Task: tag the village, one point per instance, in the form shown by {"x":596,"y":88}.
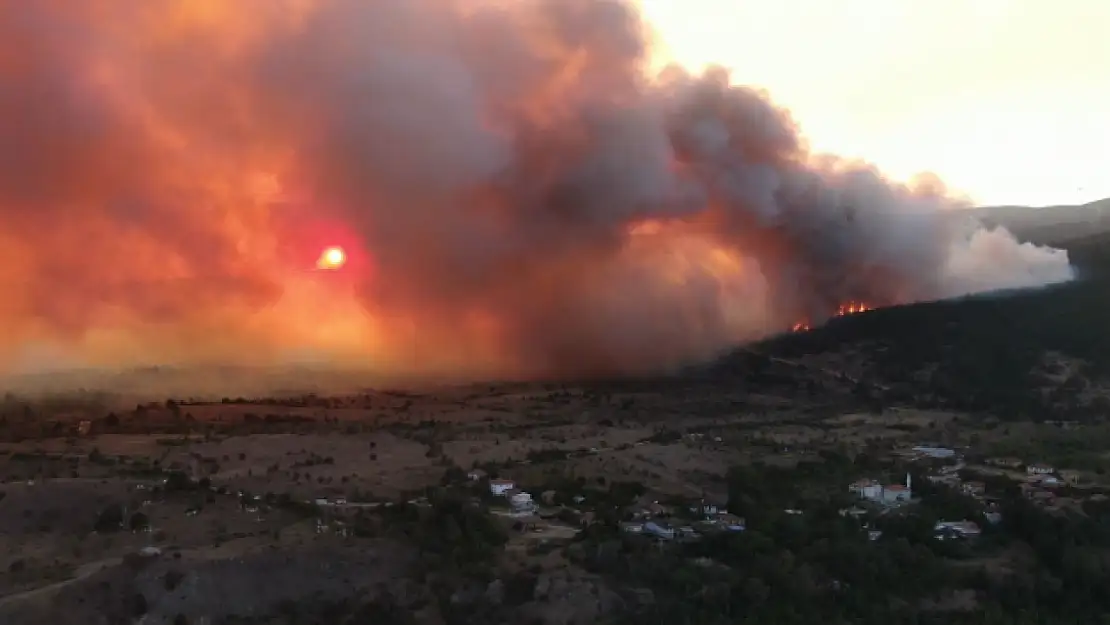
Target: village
{"x":186,"y":493}
{"x":548,"y":516}
{"x":545,"y":514}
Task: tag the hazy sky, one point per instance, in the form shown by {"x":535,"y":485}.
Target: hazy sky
{"x":1007,"y":100}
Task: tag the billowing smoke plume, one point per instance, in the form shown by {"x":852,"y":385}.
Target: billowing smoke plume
{"x":515,"y":193}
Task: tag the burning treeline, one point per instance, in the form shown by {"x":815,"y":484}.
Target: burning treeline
{"x":515,"y":194}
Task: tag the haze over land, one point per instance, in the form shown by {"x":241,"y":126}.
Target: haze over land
{"x":514,"y":194}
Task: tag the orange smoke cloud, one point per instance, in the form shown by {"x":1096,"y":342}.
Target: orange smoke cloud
{"x":513,"y":193}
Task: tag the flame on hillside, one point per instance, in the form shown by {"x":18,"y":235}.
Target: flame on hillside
{"x":852,"y":308}
{"x":848,"y":308}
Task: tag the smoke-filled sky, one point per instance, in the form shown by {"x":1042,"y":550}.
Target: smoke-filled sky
{"x":1007,"y":100}
{"x":515,"y":192}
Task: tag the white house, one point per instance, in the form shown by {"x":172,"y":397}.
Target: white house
{"x":1039,"y":469}
{"x":501,"y":487}
{"x":632,"y":527}
{"x":475,"y":475}
{"x":660,"y":529}
{"x":1045,"y":479}
{"x":961,"y":529}
{"x":873,"y":491}
{"x":935,"y":452}
{"x":867,"y":489}
{"x":522,"y":503}
{"x":705,"y":508}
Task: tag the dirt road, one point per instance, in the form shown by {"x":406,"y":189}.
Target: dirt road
{"x":85,"y":570}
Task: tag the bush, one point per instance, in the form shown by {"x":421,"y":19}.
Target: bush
{"x":172,"y":579}
{"x":110,"y":519}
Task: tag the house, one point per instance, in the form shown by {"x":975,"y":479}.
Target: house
{"x":994,"y":518}
{"x":1039,"y":469}
{"x":866,"y":489}
{"x":632,"y":527}
{"x":896,"y":493}
{"x":653,"y":509}
{"x":659,"y":529}
{"x":935,"y":452}
{"x":1005,"y":463}
{"x":956,"y":529}
{"x":84,"y":426}
{"x":873,"y":491}
{"x":874,"y":535}
{"x":973,"y":488}
{"x":501,"y":487}
{"x":522,"y":503}
{"x":1044,"y":479}
{"x":475,"y":475}
{"x":1069,"y":476}
{"x":705,"y":508}
{"x":687,"y":532}
{"x":731,"y":522}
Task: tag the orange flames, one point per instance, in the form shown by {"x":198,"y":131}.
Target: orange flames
{"x":848,"y":308}
{"x":852,"y":308}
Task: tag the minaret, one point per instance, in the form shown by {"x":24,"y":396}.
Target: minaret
{"x":908,"y":484}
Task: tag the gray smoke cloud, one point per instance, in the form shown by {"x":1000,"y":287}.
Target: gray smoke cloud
{"x":515,"y":193}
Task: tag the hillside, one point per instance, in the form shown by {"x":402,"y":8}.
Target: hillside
{"x":1040,"y":353}
{"x":1053,"y":225}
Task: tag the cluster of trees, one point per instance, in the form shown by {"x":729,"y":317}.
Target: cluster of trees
{"x":451,"y":530}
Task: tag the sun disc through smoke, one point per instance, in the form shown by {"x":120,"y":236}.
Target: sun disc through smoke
{"x":332,"y":258}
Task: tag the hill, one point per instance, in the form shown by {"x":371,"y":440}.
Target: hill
{"x":1042,"y":354}
{"x":1050,"y":225}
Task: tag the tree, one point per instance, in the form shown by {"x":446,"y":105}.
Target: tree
{"x":110,"y":519}
{"x":139,"y":521}
{"x":138,"y":605}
